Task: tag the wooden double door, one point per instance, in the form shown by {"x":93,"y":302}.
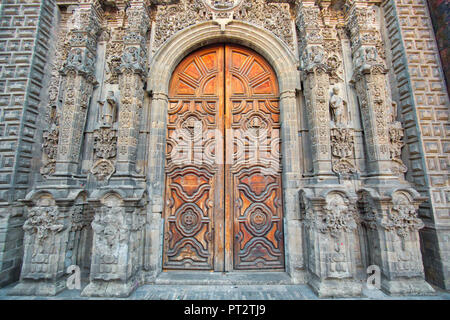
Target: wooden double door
{"x":223,"y":196}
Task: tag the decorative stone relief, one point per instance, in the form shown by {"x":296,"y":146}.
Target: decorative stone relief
{"x":110,"y":231}
{"x":396,"y":133}
{"x":370,"y":80}
{"x":114,"y":49}
{"x":105,"y":150}
{"x":329,"y":236}
{"x":339,"y":215}
{"x":274,"y":17}
{"x":342,"y":144}
{"x":50,"y":148}
{"x":43,"y":221}
{"x":133,"y":71}
{"x":79,"y":80}
{"x":402,"y":217}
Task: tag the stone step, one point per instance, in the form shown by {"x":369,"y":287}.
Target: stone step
{"x":207,"y":278}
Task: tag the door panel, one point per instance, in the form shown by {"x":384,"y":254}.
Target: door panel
{"x":193,"y":215}
{"x":223,"y":207}
{"x":253,"y":174}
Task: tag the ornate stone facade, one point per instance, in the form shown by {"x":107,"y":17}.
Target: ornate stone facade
{"x":363,"y":113}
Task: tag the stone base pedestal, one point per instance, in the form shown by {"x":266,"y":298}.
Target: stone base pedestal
{"x":109,"y":289}
{"x":332,"y":288}
{"x":406,"y":287}
{"x":38,"y":288}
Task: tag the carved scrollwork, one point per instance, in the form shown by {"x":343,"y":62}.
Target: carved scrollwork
{"x":105,"y":150}
{"x":342,"y":142}
{"x":402,"y":216}
{"x":339,"y":215}
{"x":43,"y":221}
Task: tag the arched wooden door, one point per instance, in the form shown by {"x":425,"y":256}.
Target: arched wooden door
{"x":223,"y":208}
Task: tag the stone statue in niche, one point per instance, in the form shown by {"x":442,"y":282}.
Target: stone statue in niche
{"x":108,"y":109}
{"x":338,"y":108}
{"x":394,"y":112}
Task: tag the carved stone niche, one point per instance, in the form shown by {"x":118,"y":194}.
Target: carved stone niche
{"x":47,"y":231}
{"x":329,"y":224}
{"x":392,"y":231}
{"x":118,"y":227}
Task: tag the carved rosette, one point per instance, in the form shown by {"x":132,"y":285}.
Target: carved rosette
{"x":105,"y":150}
{"x":342,"y":143}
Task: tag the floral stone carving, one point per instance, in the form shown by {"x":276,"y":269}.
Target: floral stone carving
{"x":105,"y":150}
{"x":43,"y":221}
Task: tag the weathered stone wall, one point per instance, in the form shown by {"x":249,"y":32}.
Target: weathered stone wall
{"x":440,"y":16}
{"x":418,"y":83}
{"x":25,"y":41}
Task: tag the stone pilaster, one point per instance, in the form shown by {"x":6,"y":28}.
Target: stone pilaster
{"x":117,"y":244}
{"x":329,"y":221}
{"x":78,"y":83}
{"x":316,"y":86}
{"x":49,"y":226}
{"x":392,"y":228}
{"x":370,"y":80}
{"x":133,"y":71}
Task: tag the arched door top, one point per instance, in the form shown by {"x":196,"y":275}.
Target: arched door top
{"x":278,"y":55}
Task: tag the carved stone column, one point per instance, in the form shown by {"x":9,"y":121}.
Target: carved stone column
{"x":329,"y":221}
{"x":370,"y":80}
{"x":133,"y":71}
{"x":117,"y":245}
{"x":77,"y":86}
{"x":392,"y":228}
{"x":317,"y":85}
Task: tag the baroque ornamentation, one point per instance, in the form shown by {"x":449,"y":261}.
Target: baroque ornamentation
{"x":274,"y":17}
{"x":110,"y":230}
{"x":402,"y":217}
{"x":43,"y":221}
{"x":339,"y":216}
{"x":342,"y":142}
{"x":50,"y":148}
{"x":105,"y":144}
{"x":396,"y":133}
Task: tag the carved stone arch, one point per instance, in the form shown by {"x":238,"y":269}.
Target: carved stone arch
{"x":187,"y":40}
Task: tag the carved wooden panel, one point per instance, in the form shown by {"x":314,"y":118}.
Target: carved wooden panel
{"x":223,"y":207}
{"x":253,"y":177}
{"x":193,"y":227}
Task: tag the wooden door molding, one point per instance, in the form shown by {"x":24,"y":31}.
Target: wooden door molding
{"x":218,"y":216}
